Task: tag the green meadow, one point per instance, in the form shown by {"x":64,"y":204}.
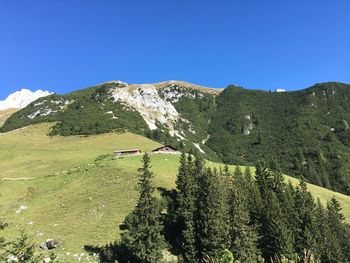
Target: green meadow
{"x":72,"y":189}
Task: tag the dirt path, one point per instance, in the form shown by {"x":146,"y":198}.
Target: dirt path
{"x":17,"y":179}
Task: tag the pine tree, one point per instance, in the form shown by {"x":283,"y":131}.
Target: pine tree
{"x":144,"y":239}
{"x":336,"y":240}
{"x":186,"y":200}
{"x":276,"y":237}
{"x":243,"y":234}
{"x":23,"y":249}
{"x":254,"y":198}
{"x":306,"y":231}
{"x":323,"y":232}
{"x":212,"y":222}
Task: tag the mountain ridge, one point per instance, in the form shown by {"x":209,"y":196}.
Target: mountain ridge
{"x":306,"y":131}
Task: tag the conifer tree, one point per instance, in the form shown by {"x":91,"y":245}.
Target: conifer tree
{"x":323,"y":231}
{"x":243,"y":235}
{"x":186,"y":201}
{"x":337,"y":234}
{"x":263,"y":179}
{"x":306,"y":231}
{"x":143,"y":238}
{"x":212,"y":224}
{"x":23,"y":249}
{"x":276,"y":237}
{"x":254,"y":198}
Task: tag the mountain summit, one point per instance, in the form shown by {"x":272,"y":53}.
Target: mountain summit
{"x":22,"y":98}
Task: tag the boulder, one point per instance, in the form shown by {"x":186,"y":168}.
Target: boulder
{"x":49,"y":244}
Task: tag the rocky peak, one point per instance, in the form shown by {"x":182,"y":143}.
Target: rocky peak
{"x":22,"y":98}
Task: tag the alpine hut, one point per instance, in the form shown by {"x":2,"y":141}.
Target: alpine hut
{"x":165,"y":149}
{"x":120,"y":153}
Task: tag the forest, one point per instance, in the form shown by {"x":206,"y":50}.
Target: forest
{"x":230,"y":216}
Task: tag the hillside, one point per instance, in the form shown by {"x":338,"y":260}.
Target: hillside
{"x":5,"y":114}
{"x":306,"y":132}
{"x":172,"y":113}
{"x":78,"y":194}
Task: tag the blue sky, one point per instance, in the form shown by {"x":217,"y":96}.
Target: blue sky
{"x":67,"y":45}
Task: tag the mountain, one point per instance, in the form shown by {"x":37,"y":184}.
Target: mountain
{"x":306,"y":132}
{"x":170,"y":112}
{"x":22,"y":98}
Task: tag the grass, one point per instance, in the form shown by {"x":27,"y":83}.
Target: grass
{"x":84,"y":205}
{"x":29,"y":152}
{"x":4,"y":114}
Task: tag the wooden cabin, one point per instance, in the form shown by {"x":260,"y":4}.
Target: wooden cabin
{"x":165,"y":149}
{"x":128,"y":152}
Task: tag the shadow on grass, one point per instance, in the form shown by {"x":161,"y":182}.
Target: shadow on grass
{"x":118,"y":252}
{"x":169,"y":220}
{"x":112,"y":252}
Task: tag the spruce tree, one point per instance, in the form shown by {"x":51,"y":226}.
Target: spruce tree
{"x":186,"y":201}
{"x":323,"y":232}
{"x":337,"y":234}
{"x":243,"y":235}
{"x":212,"y":225}
{"x":276,"y":237}
{"x":254,"y":198}
{"x":143,"y":238}
{"x":23,"y":249}
{"x":306,"y":231}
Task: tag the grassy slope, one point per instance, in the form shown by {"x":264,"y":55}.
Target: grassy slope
{"x":29,"y":152}
{"x":84,"y":206}
{"x":4,"y":114}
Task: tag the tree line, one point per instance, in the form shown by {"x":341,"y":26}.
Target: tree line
{"x":232,"y":216}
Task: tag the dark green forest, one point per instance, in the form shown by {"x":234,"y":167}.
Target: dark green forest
{"x":306,"y":132}
{"x":229,"y":216}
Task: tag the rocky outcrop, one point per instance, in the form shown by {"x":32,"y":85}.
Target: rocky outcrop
{"x":145,"y":99}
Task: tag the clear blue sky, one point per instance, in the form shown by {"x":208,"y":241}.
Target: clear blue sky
{"x":65,"y":45}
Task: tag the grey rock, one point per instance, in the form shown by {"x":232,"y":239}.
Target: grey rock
{"x":49,"y":244}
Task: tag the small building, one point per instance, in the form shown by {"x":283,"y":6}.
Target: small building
{"x":128,"y":152}
{"x":165,"y":149}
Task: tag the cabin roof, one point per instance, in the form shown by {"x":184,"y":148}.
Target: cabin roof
{"x":161,"y":147}
{"x":128,"y":150}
